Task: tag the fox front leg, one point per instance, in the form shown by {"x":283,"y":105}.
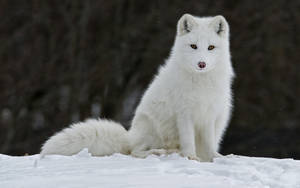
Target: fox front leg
{"x":186,"y":134}
{"x":207,"y":146}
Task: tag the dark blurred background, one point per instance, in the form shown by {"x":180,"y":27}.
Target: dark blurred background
{"x":65,"y":61}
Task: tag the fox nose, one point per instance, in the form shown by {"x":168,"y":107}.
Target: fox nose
{"x":201,"y":65}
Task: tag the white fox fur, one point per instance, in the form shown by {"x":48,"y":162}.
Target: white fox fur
{"x":101,"y":137}
{"x":186,"y":108}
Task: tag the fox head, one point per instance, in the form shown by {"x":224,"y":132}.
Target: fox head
{"x":201,"y":43}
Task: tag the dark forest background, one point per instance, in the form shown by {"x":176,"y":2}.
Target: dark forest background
{"x":66,"y":61}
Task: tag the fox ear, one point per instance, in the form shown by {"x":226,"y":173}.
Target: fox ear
{"x":220,"y":26}
{"x":186,"y":24}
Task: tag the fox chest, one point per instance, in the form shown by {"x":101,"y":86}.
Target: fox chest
{"x":199,"y":104}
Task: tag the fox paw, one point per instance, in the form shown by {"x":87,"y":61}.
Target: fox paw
{"x":195,"y":158}
{"x":191,"y":157}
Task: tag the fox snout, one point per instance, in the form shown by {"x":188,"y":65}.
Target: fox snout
{"x":201,"y":65}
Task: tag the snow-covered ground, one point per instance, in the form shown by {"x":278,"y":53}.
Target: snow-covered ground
{"x":122,"y":171}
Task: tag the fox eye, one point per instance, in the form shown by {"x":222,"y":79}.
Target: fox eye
{"x":211,"y":47}
{"x":194,"y":46}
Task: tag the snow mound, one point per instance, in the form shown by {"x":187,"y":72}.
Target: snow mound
{"x":83,"y":170}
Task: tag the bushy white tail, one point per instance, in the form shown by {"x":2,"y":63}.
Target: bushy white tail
{"x":101,"y":137}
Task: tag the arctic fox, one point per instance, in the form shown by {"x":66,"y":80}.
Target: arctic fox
{"x":185,"y":109}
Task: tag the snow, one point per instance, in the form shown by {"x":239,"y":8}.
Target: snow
{"x":83,"y":170}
